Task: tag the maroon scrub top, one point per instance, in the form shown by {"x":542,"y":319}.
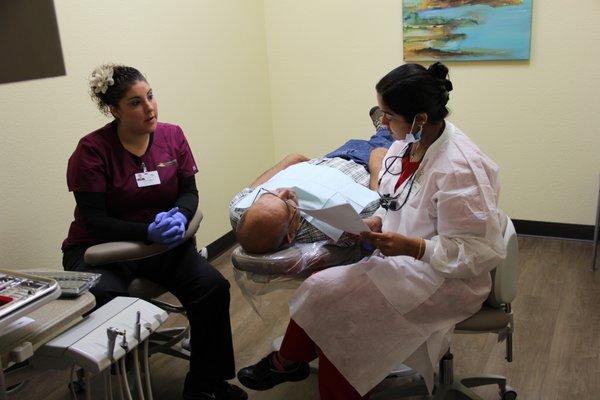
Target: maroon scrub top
{"x":100,"y":163}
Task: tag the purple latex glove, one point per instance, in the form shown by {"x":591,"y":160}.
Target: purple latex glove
{"x":166,"y":228}
{"x":175,"y":214}
{"x":179,"y":217}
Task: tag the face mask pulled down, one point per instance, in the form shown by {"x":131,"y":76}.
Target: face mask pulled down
{"x":414,"y":137}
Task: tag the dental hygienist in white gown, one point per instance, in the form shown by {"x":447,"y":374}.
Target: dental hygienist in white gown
{"x":437,"y":235}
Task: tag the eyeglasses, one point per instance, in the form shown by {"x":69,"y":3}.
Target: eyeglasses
{"x":291,"y":207}
{"x":391,"y":117}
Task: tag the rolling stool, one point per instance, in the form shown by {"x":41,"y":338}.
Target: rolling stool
{"x":496,"y":316}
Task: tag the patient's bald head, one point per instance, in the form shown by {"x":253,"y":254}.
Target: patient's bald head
{"x":270,"y":222}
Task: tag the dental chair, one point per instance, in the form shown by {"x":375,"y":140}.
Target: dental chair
{"x":495,"y":316}
{"x":171,"y":341}
{"x":259,"y":274}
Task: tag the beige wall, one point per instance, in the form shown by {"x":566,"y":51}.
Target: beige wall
{"x":242,"y":109}
{"x":535,"y":118}
{"x":207,"y":63}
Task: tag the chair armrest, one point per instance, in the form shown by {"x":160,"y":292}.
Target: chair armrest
{"x":110,"y":252}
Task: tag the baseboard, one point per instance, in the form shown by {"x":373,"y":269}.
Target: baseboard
{"x":216,"y":248}
{"x":554,"y":229}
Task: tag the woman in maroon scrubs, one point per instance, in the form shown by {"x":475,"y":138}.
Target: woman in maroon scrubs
{"x":133,"y":179}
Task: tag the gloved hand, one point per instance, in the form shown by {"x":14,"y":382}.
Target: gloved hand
{"x":178,"y":219}
{"x":177,"y":215}
{"x":166,"y":228}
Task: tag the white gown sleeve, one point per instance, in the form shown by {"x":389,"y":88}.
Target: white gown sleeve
{"x":469,"y":240}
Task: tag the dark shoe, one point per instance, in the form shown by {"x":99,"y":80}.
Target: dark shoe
{"x":221,"y":391}
{"x":375,"y":113}
{"x":264,"y":375}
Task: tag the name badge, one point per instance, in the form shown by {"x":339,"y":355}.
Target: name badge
{"x":149,"y":178}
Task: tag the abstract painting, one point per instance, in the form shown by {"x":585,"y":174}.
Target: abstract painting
{"x":463,"y":30}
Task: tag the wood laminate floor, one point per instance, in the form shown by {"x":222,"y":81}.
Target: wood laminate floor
{"x":556,"y":342}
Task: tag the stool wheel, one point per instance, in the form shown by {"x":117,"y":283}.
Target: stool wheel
{"x":508,"y":394}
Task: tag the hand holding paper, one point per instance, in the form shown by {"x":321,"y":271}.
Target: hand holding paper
{"x":374,"y":223}
{"x":342,"y":216}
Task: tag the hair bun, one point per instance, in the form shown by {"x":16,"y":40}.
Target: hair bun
{"x":447,"y":85}
{"x":438,"y":70}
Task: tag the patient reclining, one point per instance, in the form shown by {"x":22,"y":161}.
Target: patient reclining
{"x":265,"y":215}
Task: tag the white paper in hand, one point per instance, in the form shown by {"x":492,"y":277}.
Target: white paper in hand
{"x":342,"y":216}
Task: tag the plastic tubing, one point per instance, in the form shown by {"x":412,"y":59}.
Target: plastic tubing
{"x":138,"y":375}
{"x":124,"y":378}
{"x":119,"y":380}
{"x":107,"y":384}
{"x":88,"y":386}
{"x":147,"y":370}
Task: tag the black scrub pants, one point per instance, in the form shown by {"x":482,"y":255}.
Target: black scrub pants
{"x":200,"y":288}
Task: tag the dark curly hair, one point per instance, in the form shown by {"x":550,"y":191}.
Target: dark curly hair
{"x":124,"y":77}
{"x":411,"y":89}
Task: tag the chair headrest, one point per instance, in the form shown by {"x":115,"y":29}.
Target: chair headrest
{"x":300,"y":259}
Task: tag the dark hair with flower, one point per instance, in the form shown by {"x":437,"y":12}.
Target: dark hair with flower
{"x":109,"y":82}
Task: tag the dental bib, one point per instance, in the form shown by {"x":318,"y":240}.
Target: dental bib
{"x":317,"y":187}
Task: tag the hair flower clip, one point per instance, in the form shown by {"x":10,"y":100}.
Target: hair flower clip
{"x":101,"y":79}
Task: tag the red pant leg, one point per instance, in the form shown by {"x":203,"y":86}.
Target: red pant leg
{"x":332,"y":384}
{"x":298,"y":346}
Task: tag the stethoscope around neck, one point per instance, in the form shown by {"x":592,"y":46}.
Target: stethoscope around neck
{"x":390,"y":202}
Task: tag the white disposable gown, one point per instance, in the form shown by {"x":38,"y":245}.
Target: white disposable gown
{"x":370,"y":316}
